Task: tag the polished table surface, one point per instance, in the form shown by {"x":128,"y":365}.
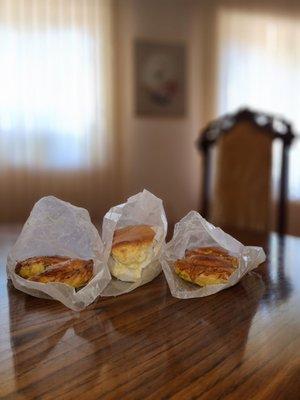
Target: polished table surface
{"x":242,"y":343}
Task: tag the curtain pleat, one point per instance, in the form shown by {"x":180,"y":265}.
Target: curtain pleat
{"x":56,"y":104}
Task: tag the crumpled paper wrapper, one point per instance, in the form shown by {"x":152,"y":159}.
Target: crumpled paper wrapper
{"x":56,"y":227}
{"x":143,"y":208}
{"x":194,"y":231}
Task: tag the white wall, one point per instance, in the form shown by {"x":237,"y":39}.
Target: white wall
{"x":160,"y":153}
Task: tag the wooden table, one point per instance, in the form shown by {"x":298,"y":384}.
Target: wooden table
{"x":242,"y":343}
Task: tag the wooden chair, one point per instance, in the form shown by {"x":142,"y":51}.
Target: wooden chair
{"x":242,"y":180}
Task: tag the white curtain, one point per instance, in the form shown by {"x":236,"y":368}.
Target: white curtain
{"x":258,"y":58}
{"x":56,"y":100}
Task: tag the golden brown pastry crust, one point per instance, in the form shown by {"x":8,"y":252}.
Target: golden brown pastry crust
{"x":206,"y":251}
{"x":32,"y":266}
{"x":73,"y":272}
{"x":206,"y":266}
{"x":131,"y":248}
{"x":133,"y":234}
{"x":215,"y":252}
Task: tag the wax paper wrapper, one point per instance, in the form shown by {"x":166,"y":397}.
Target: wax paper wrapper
{"x":194,"y":231}
{"x":143,"y":208}
{"x":55,"y":227}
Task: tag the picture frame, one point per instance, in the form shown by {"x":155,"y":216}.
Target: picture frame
{"x":160,"y":79}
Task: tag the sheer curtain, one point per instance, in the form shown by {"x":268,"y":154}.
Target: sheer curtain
{"x":56,"y":121}
{"x":258,"y":64}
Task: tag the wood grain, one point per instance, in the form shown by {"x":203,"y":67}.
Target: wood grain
{"x":242,"y":343}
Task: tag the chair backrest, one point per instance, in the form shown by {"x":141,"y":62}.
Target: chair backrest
{"x":241,"y":191}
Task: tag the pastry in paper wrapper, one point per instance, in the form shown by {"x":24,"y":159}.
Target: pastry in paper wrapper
{"x":134,"y":236}
{"x":132,"y":247}
{"x":71,"y":271}
{"x":192,"y":235}
{"x":63,"y":235}
{"x":206,"y":266}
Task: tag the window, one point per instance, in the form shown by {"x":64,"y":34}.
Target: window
{"x":258,"y":66}
{"x":52,"y":112}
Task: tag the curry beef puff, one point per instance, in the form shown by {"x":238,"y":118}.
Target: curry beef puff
{"x":206,"y":266}
{"x":132,"y":249}
{"x":71,"y":271}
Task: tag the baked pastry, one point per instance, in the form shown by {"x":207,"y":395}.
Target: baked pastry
{"x":206,"y":266}
{"x":71,"y":271}
{"x":36,"y":265}
{"x":206,"y":251}
{"x":216,"y":252}
{"x":132,"y":249}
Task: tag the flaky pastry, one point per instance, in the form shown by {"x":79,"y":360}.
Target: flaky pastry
{"x":73,"y":272}
{"x":132,"y":248}
{"x":206,"y":266}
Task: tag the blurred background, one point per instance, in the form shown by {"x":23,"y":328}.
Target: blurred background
{"x":100,"y":99}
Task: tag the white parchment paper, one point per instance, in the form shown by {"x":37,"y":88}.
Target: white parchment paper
{"x":56,"y":227}
{"x":194,"y":231}
{"x":143,"y":208}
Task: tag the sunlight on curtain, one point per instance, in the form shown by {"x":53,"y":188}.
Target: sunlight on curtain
{"x":55,"y":99}
{"x":259,"y":64}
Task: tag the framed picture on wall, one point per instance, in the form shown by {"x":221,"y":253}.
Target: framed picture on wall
{"x":160,"y":79}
